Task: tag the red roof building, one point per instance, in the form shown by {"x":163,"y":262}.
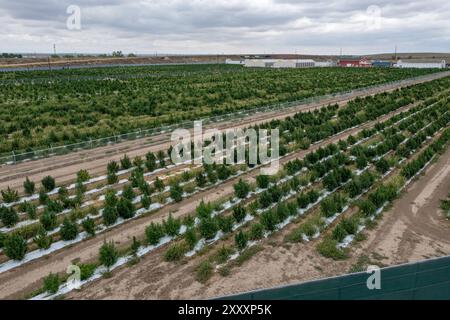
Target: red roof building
{"x":355,"y":63}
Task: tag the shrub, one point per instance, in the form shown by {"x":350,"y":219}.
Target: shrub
{"x":241,"y":240}
{"x":29,"y":186}
{"x":159,"y":184}
{"x":9,"y":195}
{"x":190,"y":237}
{"x":52,"y":283}
{"x":48,"y":183}
{"x":112,"y":178}
{"x":313,"y":196}
{"x":154,"y":232}
{"x":48,"y":220}
{"x":303,"y":200}
{"x":241,"y":189}
{"x":204,"y":271}
{"x":110,"y":215}
{"x":200,"y":179}
{"x":328,"y":248}
{"x":204,"y":210}
{"x":262,"y":181}
{"x":161,"y":158}
{"x":9,"y":216}
{"x":175,"y":252}
{"x":223,"y":172}
{"x":69,"y":230}
{"x":239,"y":213}
{"x":176,"y":192}
{"x":113,"y":167}
{"x":42,"y":240}
{"x":125,"y":163}
{"x":223,"y":254}
{"x":208,"y":227}
{"x":89,"y":226}
{"x":15,"y":246}
{"x":135,"y":245}
{"x":150,"y":162}
{"x":382,"y":166}
{"x":339,"y":233}
{"x":128,"y":192}
{"x":138,"y":162}
{"x":2,"y":239}
{"x":172,"y":226}
{"x":83,"y":176}
{"x":350,"y":224}
{"x":225,"y":223}
{"x":268,"y":220}
{"x":146,"y":201}
{"x":256,"y":231}
{"x":86,"y":271}
{"x":108,"y":254}
{"x":367,"y":207}
{"x":126,"y":208}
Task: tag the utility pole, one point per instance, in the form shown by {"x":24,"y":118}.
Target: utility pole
{"x":54,"y":49}
{"x":395,"y":55}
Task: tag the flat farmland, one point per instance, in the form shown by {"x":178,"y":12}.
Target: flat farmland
{"x":42,"y":109}
{"x":139,"y":226}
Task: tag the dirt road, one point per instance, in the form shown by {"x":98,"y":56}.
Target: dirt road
{"x":64,"y":168}
{"x":413,"y":229}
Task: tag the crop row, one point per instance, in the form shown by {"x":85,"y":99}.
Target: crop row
{"x":56,"y":112}
{"x":208,"y":227}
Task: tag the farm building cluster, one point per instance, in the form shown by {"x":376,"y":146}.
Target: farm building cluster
{"x":352,"y":62}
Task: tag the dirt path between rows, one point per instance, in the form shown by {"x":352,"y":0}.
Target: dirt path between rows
{"x":413,"y":229}
{"x":16,"y":282}
{"x":64,"y":167}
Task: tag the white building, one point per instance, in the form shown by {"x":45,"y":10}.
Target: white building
{"x":279,"y":63}
{"x":238,"y":62}
{"x":324,"y":64}
{"x":421,"y":64}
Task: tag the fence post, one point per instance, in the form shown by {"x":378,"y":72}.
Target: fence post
{"x":14,"y":157}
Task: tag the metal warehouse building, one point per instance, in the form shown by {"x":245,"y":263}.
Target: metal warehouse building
{"x":421,"y":64}
{"x":279,"y":63}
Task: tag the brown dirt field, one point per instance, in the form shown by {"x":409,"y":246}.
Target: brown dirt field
{"x":412,"y":229}
{"x":64,"y":168}
{"x":17,"y":282}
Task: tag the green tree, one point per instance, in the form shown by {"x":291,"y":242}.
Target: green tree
{"x":239,"y":213}
{"x":159,"y":184}
{"x":29,"y":186}
{"x":241,"y":240}
{"x":176,"y":192}
{"x":241,"y":189}
{"x":125,"y":163}
{"x":69,"y":230}
{"x":9,"y":216}
{"x":48,"y":220}
{"x":262,"y":181}
{"x":42,"y":239}
{"x":208,"y":227}
{"x":48,"y":183}
{"x":126,"y":208}
{"x":88,"y":225}
{"x":154,"y":232}
{"x":172,"y":226}
{"x":110,"y":215}
{"x":9,"y":195}
{"x":15,"y":246}
{"x":52,"y":283}
{"x":108,"y":254}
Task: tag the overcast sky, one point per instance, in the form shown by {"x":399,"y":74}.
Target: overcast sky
{"x":227,"y":26}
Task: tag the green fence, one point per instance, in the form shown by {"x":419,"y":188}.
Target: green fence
{"x":424,"y":280}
